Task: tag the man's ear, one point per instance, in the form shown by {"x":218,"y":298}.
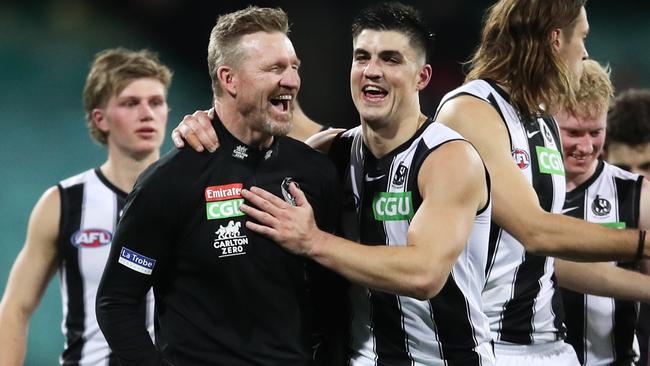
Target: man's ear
{"x":424,"y":76}
{"x":227,"y":79}
{"x":556,"y":38}
{"x":99,"y":119}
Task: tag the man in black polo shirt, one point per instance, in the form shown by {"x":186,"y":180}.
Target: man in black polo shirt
{"x":224,"y":295}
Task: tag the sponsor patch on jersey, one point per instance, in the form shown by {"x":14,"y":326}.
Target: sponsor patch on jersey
{"x":223,"y":201}
{"x":392,"y":206}
{"x":600,"y":206}
{"x":229,"y":241}
{"x":223,"y":192}
{"x":136,"y":261}
{"x":550,"y":161}
{"x":240,"y":152}
{"x":614,"y":225}
{"x":400,"y":175}
{"x":91,"y":238}
{"x":522,"y":159}
{"x":284,"y":187}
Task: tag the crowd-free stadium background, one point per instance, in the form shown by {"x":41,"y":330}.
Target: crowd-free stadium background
{"x":46,"y":48}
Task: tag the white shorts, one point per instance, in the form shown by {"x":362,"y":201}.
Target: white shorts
{"x":546,"y":354}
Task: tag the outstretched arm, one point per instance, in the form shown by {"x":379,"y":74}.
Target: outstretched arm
{"x":539,"y":231}
{"x":452,"y":177}
{"x":29,"y":277}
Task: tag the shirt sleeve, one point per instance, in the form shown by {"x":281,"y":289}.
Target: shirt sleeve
{"x":138,"y":256}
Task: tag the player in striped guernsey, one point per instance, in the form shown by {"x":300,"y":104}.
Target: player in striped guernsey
{"x":600,"y":329}
{"x":528,"y":62}
{"x":419,"y":201}
{"x":71,"y":226}
{"x":628,"y":147}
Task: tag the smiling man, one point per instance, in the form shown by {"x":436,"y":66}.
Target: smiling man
{"x":225,"y":295}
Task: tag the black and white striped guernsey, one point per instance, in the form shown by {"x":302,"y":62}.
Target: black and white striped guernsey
{"x":90,"y":208}
{"x":601,"y":329}
{"x":520,"y":295}
{"x":382,"y":197}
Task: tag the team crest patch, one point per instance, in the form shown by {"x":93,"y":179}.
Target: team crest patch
{"x":601,"y":206}
{"x":222,"y":202}
{"x":136,"y":261}
{"x":284,"y":187}
{"x":240,"y":152}
{"x":400,"y":175}
{"x":522,"y":159}
{"x":229,"y":240}
{"x":91,"y":238}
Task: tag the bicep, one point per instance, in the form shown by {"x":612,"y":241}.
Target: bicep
{"x":453,"y":188}
{"x":481,"y":125}
{"x":38,"y":259}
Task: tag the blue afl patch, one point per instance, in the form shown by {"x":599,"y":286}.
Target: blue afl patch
{"x":91,"y":238}
{"x":136,"y":261}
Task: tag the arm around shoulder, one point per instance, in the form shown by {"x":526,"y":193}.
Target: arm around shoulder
{"x":32,"y":271}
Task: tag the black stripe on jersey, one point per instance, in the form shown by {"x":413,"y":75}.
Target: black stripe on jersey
{"x":493,"y":246}
{"x":72,"y":199}
{"x":558,"y":310}
{"x":628,"y":192}
{"x":517,"y":321}
{"x":339,"y":153}
{"x":576,"y":321}
{"x":455,"y":331}
{"x":386,"y":318}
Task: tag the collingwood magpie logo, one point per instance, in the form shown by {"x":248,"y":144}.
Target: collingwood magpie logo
{"x":601,"y":206}
{"x":288,"y":197}
{"x":400,"y":175}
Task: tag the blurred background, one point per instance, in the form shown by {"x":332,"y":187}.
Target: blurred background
{"x":46,"y":48}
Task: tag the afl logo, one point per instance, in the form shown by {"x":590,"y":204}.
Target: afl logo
{"x":400,"y":175}
{"x":91,"y":238}
{"x":601,"y":206}
{"x":522,"y":159}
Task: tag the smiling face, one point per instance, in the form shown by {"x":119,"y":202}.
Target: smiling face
{"x":386,"y":75}
{"x":572,"y":49}
{"x":135,"y":119}
{"x":582,"y":141}
{"x":266,"y":82}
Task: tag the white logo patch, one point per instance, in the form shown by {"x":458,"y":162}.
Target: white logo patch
{"x":229,"y":240}
{"x":136,"y":261}
{"x":240,"y":152}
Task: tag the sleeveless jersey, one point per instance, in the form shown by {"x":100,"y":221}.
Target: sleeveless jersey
{"x":520,"y":295}
{"x":90,"y":208}
{"x":601,"y":329}
{"x":382,"y":196}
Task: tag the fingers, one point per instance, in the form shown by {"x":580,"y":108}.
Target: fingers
{"x":298,"y":194}
{"x":264,"y":201}
{"x":260,"y":229}
{"x":269,"y":197}
{"x":177,"y":139}
{"x":201,"y":125}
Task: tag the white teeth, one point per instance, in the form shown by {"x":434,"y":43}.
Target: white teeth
{"x":371,"y":88}
{"x":284,"y":97}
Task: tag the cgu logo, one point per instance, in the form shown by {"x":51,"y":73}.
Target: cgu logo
{"x":91,"y":238}
{"x":550,"y":161}
{"x":224,"y":209}
{"x":392,"y":206}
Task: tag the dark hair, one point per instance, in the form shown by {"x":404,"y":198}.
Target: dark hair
{"x":395,"y":16}
{"x":628,"y":120}
{"x":516,"y":51}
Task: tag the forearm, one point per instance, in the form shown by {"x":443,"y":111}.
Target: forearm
{"x":403,"y":270}
{"x":565,"y":237}
{"x":13,"y":337}
{"x":603,"y":279}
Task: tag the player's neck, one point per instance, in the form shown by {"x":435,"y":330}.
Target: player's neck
{"x":382,"y":138}
{"x":575,"y":180}
{"x":122,"y":171}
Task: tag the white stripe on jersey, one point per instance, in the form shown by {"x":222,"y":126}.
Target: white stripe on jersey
{"x":528,"y":144}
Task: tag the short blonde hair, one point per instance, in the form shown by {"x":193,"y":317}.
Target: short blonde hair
{"x":223,"y":48}
{"x":112,"y":70}
{"x":596,"y":91}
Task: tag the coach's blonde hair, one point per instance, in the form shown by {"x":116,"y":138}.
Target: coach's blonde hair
{"x":223,"y":48}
